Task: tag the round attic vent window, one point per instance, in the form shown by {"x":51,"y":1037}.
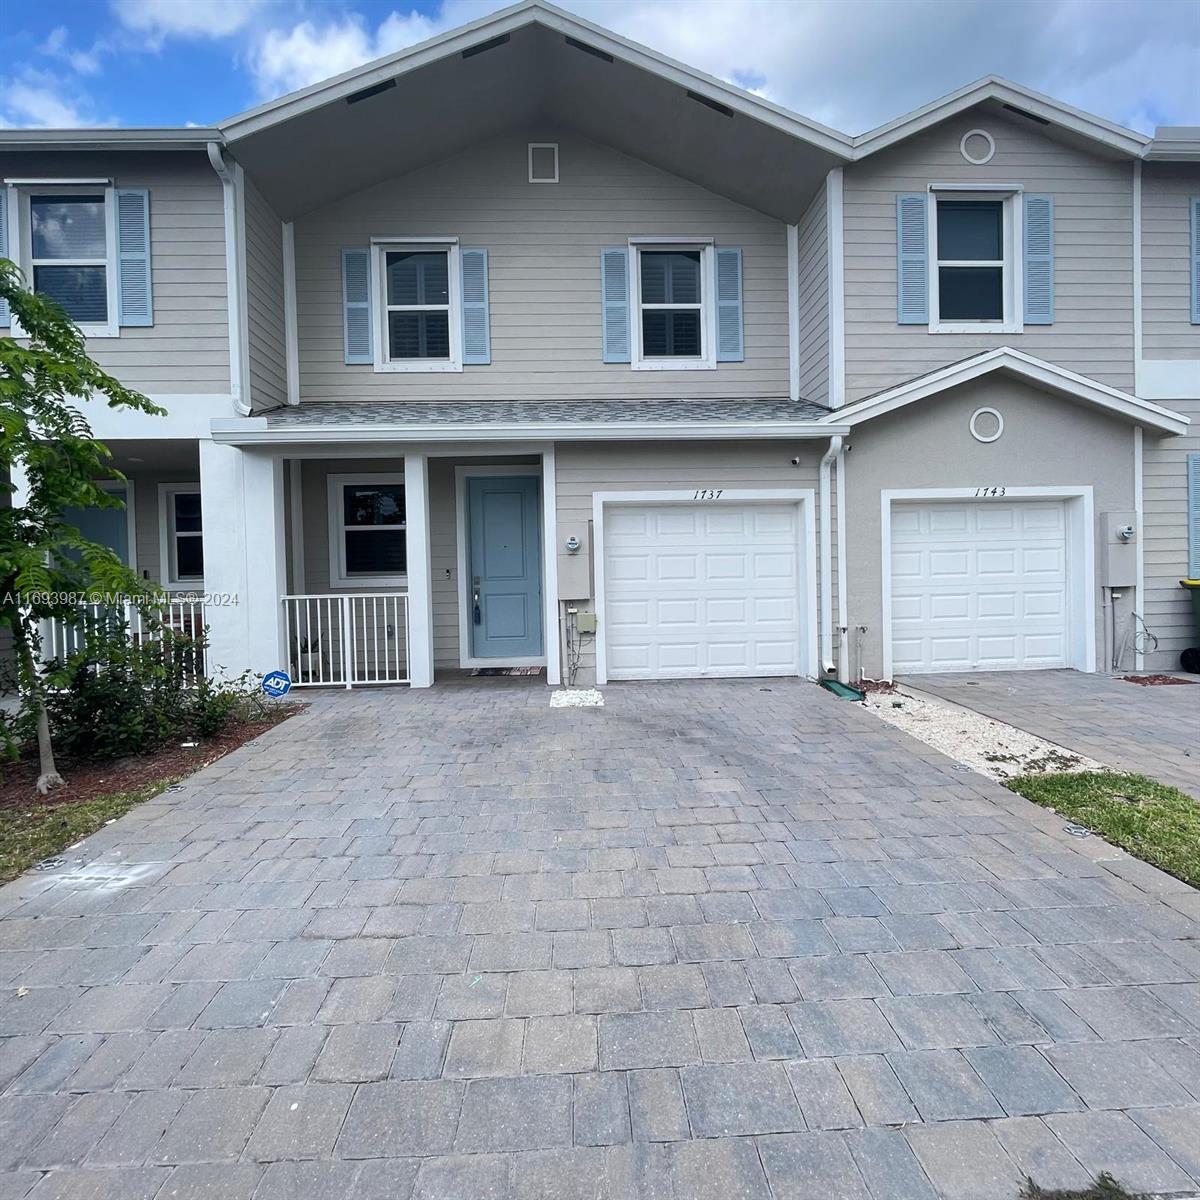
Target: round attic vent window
{"x":977,"y":146}
{"x":986,"y":425}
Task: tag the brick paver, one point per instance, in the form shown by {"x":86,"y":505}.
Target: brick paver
{"x":712,"y":940}
{"x":1127,"y":726}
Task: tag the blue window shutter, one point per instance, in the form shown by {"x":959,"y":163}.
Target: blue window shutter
{"x":1194,"y":204}
{"x":1193,"y":474}
{"x":1039,"y":260}
{"x":614,"y":292}
{"x":476,"y":324}
{"x":356,"y":305}
{"x":135,"y":298}
{"x":729,"y":305}
{"x":912,"y":258}
{"x":3,"y":244}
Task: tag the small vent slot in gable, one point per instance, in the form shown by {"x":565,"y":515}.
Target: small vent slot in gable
{"x":543,"y":162}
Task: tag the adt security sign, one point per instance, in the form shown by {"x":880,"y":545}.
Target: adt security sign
{"x":277,"y":683}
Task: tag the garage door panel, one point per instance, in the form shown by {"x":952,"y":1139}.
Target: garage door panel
{"x":979,"y":586}
{"x":702,"y":590}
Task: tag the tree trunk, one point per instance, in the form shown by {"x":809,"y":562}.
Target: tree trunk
{"x":48,"y":776}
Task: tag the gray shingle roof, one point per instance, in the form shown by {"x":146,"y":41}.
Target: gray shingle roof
{"x":395,"y":413}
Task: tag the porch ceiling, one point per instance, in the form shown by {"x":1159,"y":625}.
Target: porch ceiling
{"x":436,"y":102}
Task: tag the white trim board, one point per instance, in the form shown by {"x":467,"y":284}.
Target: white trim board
{"x":255,"y":431}
{"x":806,"y":583}
{"x":1081,"y":558}
{"x":462,"y":558}
{"x":1037,"y":371}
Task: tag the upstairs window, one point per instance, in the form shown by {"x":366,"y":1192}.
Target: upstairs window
{"x":673,"y":315}
{"x":974,"y":276}
{"x":70,"y":255}
{"x":420,"y":325}
{"x":970,"y":249}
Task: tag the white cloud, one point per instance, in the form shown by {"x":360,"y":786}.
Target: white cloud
{"x":83,"y":62}
{"x":858,"y":63}
{"x":284,"y":60}
{"x":162,"y":19}
{"x":39,"y":100}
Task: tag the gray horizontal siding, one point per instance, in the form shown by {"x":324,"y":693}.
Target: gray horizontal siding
{"x":187,"y":347}
{"x":264,"y":302}
{"x":814,"y":302}
{"x":1093,"y":296}
{"x":544,"y":244}
{"x":1167,"y":606}
{"x":1167,"y":331}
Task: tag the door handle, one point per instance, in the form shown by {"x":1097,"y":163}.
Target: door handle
{"x":475,"y":601}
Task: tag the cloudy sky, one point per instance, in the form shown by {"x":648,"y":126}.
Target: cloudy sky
{"x":852,"y":64}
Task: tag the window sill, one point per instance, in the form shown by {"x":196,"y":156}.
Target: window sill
{"x":89,"y":331}
{"x":417,"y":367}
{"x":667,"y":364}
{"x":185,"y":586}
{"x":977,"y":327}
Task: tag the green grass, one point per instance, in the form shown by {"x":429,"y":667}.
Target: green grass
{"x":1105,"y":1188}
{"x":31,"y":832}
{"x":1154,"y":822}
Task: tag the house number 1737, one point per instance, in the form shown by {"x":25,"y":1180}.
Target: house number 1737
{"x":707,"y":493}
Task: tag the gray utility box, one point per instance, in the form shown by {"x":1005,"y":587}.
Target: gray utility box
{"x":1120,"y":549}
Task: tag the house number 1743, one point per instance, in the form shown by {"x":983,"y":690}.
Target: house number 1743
{"x":989,"y":492}
{"x":707,"y":493}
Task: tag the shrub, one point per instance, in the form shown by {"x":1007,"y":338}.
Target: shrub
{"x":117,"y":696}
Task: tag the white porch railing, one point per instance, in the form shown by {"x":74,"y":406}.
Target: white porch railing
{"x":183,"y":615}
{"x":347,"y":639}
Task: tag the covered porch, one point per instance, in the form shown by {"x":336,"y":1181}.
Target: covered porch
{"x":380,"y":564}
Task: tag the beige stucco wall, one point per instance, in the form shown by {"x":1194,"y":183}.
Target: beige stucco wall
{"x":1047,"y":442}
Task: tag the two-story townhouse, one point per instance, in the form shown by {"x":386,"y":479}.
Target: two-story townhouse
{"x":541,"y":350}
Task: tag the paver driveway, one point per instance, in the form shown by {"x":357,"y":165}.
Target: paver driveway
{"x":716,"y":940}
{"x":1128,"y":726}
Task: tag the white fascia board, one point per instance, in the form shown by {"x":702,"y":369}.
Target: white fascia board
{"x":1117,"y":137}
{"x":255,"y":431}
{"x":1027,"y":367}
{"x":508,"y":20}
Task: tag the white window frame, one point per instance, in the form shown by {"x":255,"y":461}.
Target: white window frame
{"x":380,"y":247}
{"x":21,"y":236}
{"x":338,"y":576}
{"x":1012,"y":265}
{"x":707,"y":306}
{"x":167,"y":536}
{"x":542,"y":146}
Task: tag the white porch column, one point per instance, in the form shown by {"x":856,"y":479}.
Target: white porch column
{"x":420,"y":570}
{"x":242,"y":500}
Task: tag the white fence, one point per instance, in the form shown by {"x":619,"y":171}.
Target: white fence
{"x":344,"y":639}
{"x":181,"y":615}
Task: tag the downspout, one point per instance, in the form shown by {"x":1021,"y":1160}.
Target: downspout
{"x":828,"y":666}
{"x":843,"y":651}
{"x":233,"y":280}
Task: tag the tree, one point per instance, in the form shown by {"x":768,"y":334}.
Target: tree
{"x":47,"y":567}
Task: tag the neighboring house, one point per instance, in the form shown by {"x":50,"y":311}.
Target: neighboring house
{"x":608,"y":366}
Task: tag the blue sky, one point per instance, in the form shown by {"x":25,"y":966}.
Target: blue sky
{"x":850,"y":63}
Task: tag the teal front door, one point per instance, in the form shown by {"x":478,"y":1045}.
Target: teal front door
{"x":504,"y":567}
{"x":106,"y":526}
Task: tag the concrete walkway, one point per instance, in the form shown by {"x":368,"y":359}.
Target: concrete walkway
{"x":1130,"y":727}
{"x":717,"y":941}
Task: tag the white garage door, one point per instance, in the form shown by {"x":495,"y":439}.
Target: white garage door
{"x":979,"y":586}
{"x":701,"y":590}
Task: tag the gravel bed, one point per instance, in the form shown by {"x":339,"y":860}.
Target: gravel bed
{"x":981,"y":743}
